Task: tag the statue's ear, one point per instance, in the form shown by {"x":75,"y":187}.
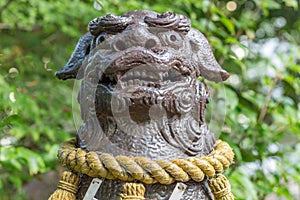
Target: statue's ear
{"x":70,"y":70}
{"x":106,"y":24}
{"x":203,"y":57}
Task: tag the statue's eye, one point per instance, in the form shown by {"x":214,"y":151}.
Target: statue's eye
{"x":173,"y":38}
{"x":170,"y":38}
{"x":119,"y":45}
{"x":100,"y":38}
{"x":150,"y":43}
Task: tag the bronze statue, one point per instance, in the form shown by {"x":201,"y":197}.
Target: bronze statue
{"x":140,"y":94}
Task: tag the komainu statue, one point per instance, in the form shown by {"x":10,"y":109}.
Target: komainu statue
{"x":142,"y":107}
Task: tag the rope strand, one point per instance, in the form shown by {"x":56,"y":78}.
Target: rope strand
{"x":142,"y":169}
{"x":132,"y":169}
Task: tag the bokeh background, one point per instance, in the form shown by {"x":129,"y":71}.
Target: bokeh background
{"x":257,"y":41}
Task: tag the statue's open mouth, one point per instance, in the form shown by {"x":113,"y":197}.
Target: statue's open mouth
{"x":145,"y":69}
{"x":143,"y":75}
{"x":135,"y":85}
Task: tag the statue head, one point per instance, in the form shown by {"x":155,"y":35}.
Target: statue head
{"x":139,"y":76}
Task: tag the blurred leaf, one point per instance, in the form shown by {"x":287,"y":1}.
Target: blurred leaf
{"x":34,"y":161}
{"x":10,"y":119}
{"x":291,"y":3}
{"x":228,"y":24}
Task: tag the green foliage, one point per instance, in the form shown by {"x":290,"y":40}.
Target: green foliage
{"x":34,"y":117}
{"x":257,"y":42}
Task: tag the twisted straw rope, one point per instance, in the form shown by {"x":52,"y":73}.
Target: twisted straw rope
{"x":127,"y":168}
{"x":133,"y":191}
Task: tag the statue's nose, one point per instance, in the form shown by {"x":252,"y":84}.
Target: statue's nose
{"x":136,"y":36}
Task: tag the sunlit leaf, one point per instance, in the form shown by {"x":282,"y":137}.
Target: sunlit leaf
{"x":228,"y":24}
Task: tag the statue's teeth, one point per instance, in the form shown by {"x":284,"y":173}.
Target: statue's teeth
{"x":130,"y":83}
{"x":136,"y":81}
{"x":146,"y":101}
{"x":160,"y":76}
{"x":144,"y":74}
{"x":145,"y":83}
{"x":121,"y":84}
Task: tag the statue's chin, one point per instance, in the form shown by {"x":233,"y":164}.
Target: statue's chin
{"x":158,"y":138}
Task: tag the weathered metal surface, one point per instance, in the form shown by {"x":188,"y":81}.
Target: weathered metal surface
{"x":140,"y":95}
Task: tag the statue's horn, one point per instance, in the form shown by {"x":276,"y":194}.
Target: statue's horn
{"x":82,"y":49}
{"x":204,"y":58}
{"x":170,"y":21}
{"x":109,"y":24}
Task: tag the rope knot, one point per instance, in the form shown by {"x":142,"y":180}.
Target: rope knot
{"x":133,"y":191}
{"x":67,"y":187}
{"x":220,"y":187}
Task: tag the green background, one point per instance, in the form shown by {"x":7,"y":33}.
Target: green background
{"x":257,"y":43}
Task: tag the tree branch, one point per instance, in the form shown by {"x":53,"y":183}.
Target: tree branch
{"x":264,"y":109}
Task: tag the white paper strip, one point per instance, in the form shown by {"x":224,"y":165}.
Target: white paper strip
{"x":178,"y":191}
{"x":92,"y":190}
